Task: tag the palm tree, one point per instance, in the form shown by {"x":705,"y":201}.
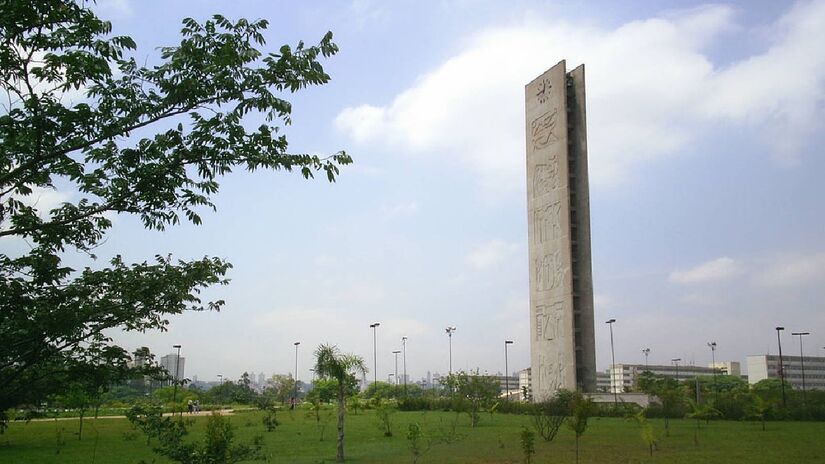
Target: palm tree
{"x":331,"y":363}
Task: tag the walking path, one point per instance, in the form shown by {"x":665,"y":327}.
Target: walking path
{"x":223,"y":412}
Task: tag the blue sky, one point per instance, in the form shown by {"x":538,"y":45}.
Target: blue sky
{"x":705,"y":123}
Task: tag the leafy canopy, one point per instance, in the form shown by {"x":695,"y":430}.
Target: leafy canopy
{"x":111,"y":136}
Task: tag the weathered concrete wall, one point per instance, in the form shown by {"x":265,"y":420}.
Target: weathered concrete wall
{"x":562,"y":353}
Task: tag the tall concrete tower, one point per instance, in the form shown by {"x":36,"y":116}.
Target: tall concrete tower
{"x":562,"y":341}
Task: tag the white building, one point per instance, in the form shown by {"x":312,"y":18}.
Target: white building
{"x":767,"y":367}
{"x":622,"y":377}
{"x":525,"y":380}
{"x":174,"y":365}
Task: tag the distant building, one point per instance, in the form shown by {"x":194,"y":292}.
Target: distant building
{"x":602,"y":381}
{"x":766,"y":366}
{"x":525,"y":381}
{"x":174,"y":365}
{"x":622,"y":377}
{"x":733,"y":368}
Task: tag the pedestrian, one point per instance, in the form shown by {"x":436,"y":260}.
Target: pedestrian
{"x":191,"y":406}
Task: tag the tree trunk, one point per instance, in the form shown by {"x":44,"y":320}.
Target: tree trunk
{"x":577,"y":448}
{"x":80,"y":432}
{"x":339,"y":457}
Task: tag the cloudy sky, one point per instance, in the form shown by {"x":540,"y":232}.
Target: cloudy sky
{"x":705,"y":126}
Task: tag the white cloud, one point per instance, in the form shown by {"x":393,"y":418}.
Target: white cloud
{"x":711,"y":271}
{"x":794,"y":271}
{"x":400,"y":209}
{"x":490,"y":254}
{"x":650,"y":89}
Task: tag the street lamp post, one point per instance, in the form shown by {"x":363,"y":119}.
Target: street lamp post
{"x":675,"y":362}
{"x":712,"y":346}
{"x":506,"y":371}
{"x":374,"y":326}
{"x":781,"y":365}
{"x":396,"y":353}
{"x":646,"y":351}
{"x":802,"y":362}
{"x":295,"y":394}
{"x":404,"y":349}
{"x":450,"y":331}
{"x":613,"y":365}
{"x":175,"y":381}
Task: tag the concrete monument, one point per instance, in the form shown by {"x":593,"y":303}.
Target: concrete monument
{"x":562,"y":341}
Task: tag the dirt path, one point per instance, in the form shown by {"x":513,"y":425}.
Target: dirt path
{"x":223,"y":412}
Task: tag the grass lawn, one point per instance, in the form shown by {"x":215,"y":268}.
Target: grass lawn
{"x":496,"y":439}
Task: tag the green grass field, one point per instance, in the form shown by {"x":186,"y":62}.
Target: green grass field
{"x":496,"y":439}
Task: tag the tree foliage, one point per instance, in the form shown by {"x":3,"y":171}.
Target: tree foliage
{"x":330,"y":363}
{"x":474,"y":392}
{"x":82,"y":117}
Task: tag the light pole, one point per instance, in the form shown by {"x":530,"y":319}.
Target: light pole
{"x":675,"y":362}
{"x":295,"y":394}
{"x":374,"y":326}
{"x":646,"y":351}
{"x":404,"y":348}
{"x":712,"y":346}
{"x":175,"y":381}
{"x":781,"y":365}
{"x":610,"y":322}
{"x":396,"y":353}
{"x":506,"y":371}
{"x":450,"y":331}
{"x":802,"y":362}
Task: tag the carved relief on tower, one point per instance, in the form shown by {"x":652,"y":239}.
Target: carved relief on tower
{"x":547,"y":222}
{"x":546,"y":177}
{"x":543,"y":129}
{"x":551,"y":372}
{"x":548,"y":320}
{"x":550,"y":271}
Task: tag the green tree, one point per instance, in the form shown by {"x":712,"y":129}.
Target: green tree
{"x":383,"y":390}
{"x":331,"y":363}
{"x":149,"y":141}
{"x":326,"y":390}
{"x":218,"y":446}
{"x":527,"y":439}
{"x":582,"y":409}
{"x":283,"y":387}
{"x":701,"y":411}
{"x":474,"y":392}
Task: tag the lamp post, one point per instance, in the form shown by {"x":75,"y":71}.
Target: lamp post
{"x":175,"y":380}
{"x":450,"y":331}
{"x":646,"y":351}
{"x":781,"y":365}
{"x":675,"y":362}
{"x":396,"y":353}
{"x":802,"y":362}
{"x":610,"y":322}
{"x":295,"y":394}
{"x":404,"y":348}
{"x":374,"y":326}
{"x":506,"y":371}
{"x":712,"y":346}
